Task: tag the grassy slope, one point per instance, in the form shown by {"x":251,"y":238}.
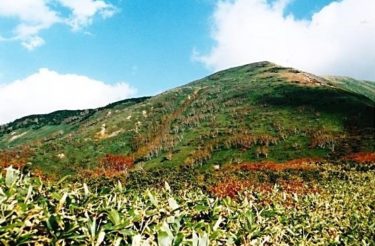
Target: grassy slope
{"x":210,"y":121}
{"x":56,"y":124}
{"x":366,"y":88}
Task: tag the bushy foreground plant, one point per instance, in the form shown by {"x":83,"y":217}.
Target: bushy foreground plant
{"x":33,"y":212}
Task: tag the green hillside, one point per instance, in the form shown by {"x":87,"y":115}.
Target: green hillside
{"x":366,"y":88}
{"x":257,"y":112}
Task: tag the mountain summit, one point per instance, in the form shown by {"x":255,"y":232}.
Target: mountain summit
{"x":254,"y":112}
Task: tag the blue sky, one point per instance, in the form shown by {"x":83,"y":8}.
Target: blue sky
{"x":149,"y":45}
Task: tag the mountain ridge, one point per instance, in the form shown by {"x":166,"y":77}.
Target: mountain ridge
{"x":328,"y":79}
{"x":259,"y":111}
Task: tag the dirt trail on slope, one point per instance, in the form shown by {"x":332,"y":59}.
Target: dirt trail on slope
{"x":155,"y":144}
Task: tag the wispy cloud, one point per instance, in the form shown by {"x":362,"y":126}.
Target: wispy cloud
{"x":83,"y":12}
{"x":47,"y":91}
{"x":339,"y":39}
{"x":33,"y":16}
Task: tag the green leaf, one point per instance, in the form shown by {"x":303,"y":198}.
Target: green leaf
{"x":86,"y":190}
{"x":167,"y":187}
{"x":217,"y":224}
{"x":178,"y":239}
{"x":119,"y":186}
{"x":61,"y":202}
{"x":195,"y":239}
{"x":92,"y":226}
{"x":152,"y":198}
{"x":117,"y":241}
{"x":137,"y":240}
{"x":52,"y":224}
{"x":29,"y":191}
{"x":101,"y":237}
{"x":172,"y":203}
{"x":164,"y":239}
{"x":165,"y":235}
{"x":11,"y":176}
{"x":204,"y":240}
{"x":63,"y":179}
{"x":114,"y":216}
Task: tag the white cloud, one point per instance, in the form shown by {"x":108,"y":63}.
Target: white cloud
{"x":339,"y":39}
{"x":33,"y":42}
{"x":47,"y":91}
{"x":83,"y":11}
{"x":33,"y":16}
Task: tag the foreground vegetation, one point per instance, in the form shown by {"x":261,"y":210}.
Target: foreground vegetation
{"x":329,"y":205}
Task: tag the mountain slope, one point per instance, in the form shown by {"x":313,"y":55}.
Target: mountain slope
{"x":255,"y":112}
{"x":366,"y":88}
{"x":36,"y":127}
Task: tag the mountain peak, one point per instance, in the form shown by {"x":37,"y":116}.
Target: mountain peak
{"x":255,"y":112}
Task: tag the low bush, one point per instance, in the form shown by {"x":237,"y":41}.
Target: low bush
{"x":33,"y":212}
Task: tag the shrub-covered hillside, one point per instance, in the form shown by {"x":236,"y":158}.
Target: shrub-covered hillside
{"x":253,"y":113}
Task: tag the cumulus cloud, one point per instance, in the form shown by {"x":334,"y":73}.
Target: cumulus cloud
{"x":33,"y":16}
{"x":339,"y":39}
{"x":47,"y":91}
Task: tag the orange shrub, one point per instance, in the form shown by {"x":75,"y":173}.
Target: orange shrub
{"x":117,"y":163}
{"x":362,"y":157}
{"x":16,"y":158}
{"x":229,"y":188}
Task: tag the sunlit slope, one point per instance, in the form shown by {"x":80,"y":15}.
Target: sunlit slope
{"x":57,"y":124}
{"x":255,"y":112}
{"x":366,"y":88}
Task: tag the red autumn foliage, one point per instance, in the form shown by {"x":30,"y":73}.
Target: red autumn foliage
{"x":230,"y":188}
{"x":362,"y":157}
{"x":16,"y":158}
{"x":117,"y":163}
